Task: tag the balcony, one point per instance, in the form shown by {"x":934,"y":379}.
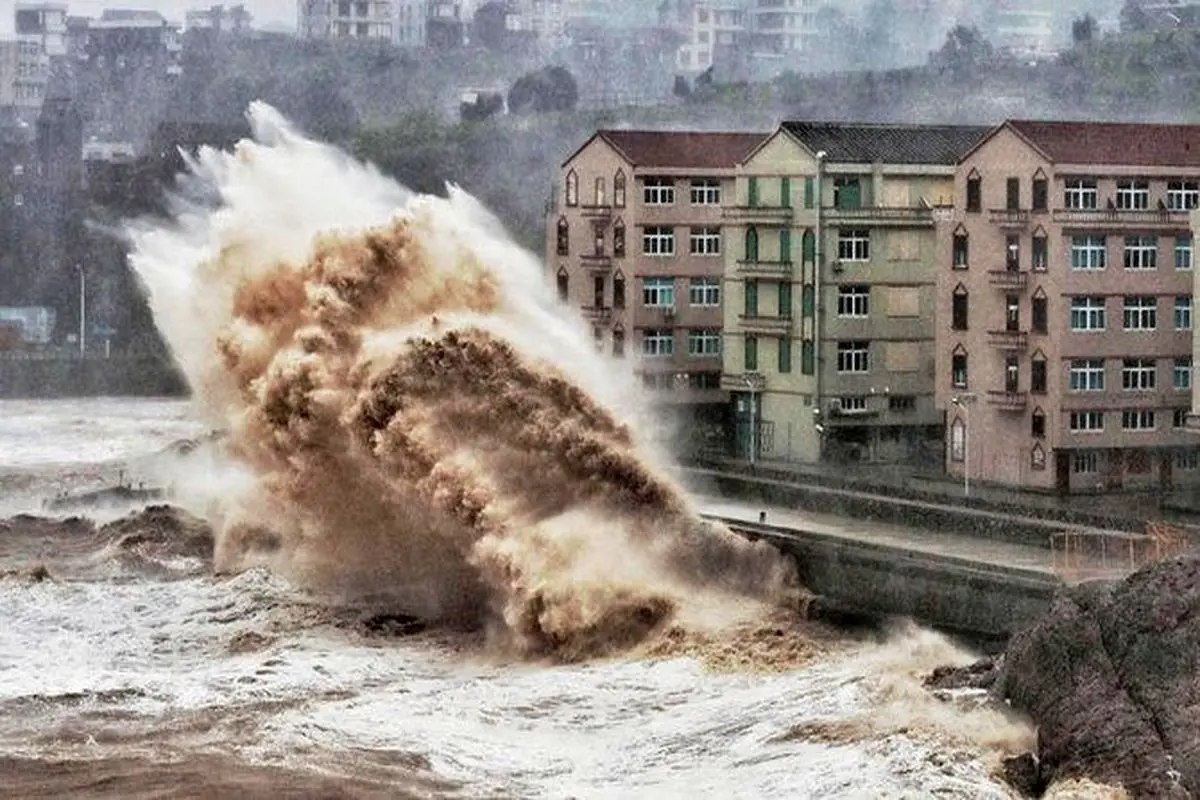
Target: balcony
{"x":1009,"y":401}
{"x":880,"y":216}
{"x":758,"y":215}
{"x":1008,"y":278}
{"x":752,"y":323}
{"x":1010,"y":217}
{"x":596,"y":212}
{"x":600,"y":315}
{"x":601,"y":262}
{"x":1013,"y":341}
{"x":764,"y":269}
{"x":1108,"y":218}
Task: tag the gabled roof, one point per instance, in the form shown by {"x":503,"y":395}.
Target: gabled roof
{"x":678,"y":150}
{"x":1134,"y":144}
{"x":867,"y":143}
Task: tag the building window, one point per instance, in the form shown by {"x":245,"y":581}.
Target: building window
{"x":1012,"y":194}
{"x":563,"y":285}
{"x":658,"y":292}
{"x":1037,"y":458}
{"x":598,"y":239}
{"x":853,"y":357}
{"x":619,"y":240}
{"x":706,"y":241}
{"x":902,"y":403}
{"x":1139,"y":374}
{"x":808,"y":357}
{"x":618,"y":291}
{"x":619,"y":343}
{"x":958,"y":370}
{"x":704,"y":343}
{"x":1087,"y":314}
{"x":658,"y":241}
{"x":704,"y":292}
{"x":751,"y":244}
{"x":1179,"y":418}
{"x":619,"y":189}
{"x":1183,"y":251}
{"x":750,"y":353}
{"x":958,"y":440}
{"x":1183,"y":313}
{"x":854,"y":301}
{"x":1037,"y":376}
{"x":974,"y":194}
{"x":572,"y":188}
{"x":1182,"y":378}
{"x":1087,"y":375}
{"x":563,"y":237}
{"x":854,"y":245}
{"x":852,"y":405}
{"x":785,"y":354}
{"x":1141,"y":313}
{"x":1012,"y":253}
{"x":750,"y":306}
{"x":961,"y":250}
{"x":1133,"y":195}
{"x":1037,"y":424}
{"x":1088,"y":252}
{"x":959,"y":310}
{"x":598,"y":291}
{"x":1141,"y":420}
{"x":1085,"y":463}
{"x":1041,"y":194}
{"x":658,"y":191}
{"x":1041,"y":254}
{"x":1141,"y":252}
{"x":1187,"y":460}
{"x":1080,"y":194}
{"x":1039,"y":317}
{"x":1087,"y":421}
{"x":658,"y":343}
{"x":1183,"y":195}
{"x":706,"y":192}
{"x":785,"y":300}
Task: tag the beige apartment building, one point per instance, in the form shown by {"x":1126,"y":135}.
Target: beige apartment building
{"x":636,"y":240}
{"x":830,"y":289}
{"x":1064,"y":318}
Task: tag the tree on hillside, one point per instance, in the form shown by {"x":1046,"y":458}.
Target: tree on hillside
{"x":549,"y":89}
{"x":964,"y":52}
{"x":1083,"y":30}
{"x":1134,"y":18}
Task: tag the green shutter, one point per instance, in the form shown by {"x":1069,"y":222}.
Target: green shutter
{"x":785,"y":300}
{"x":785,"y":354}
{"x":751,"y":298}
{"x":752,"y":192}
{"x":807,"y":361}
{"x":751,"y":354}
{"x":785,"y":245}
{"x":752,"y":244}
{"x":808,"y":244}
{"x":807,"y":300}
{"x":785,"y":192}
{"x":809,"y":194}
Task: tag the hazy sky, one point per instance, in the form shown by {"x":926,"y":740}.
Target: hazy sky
{"x":264,"y":11}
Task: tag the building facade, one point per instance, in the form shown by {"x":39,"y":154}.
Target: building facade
{"x":346,"y":19}
{"x":1064,"y":317}
{"x":636,"y":241}
{"x":41,"y":29}
{"x":830,"y":290}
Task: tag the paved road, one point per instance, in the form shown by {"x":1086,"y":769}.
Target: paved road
{"x":986,"y":551}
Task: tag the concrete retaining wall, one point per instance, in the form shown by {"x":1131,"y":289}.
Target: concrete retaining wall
{"x":119,"y":376}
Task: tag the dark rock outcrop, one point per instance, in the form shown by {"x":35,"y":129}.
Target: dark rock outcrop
{"x":1111,"y":677}
{"x":980,"y":675}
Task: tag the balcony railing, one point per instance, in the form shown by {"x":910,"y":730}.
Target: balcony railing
{"x":596,"y":212}
{"x":1110,"y":217}
{"x":880,"y":215}
{"x":769,"y":268}
{"x":1009,"y":401}
{"x":599,"y":261}
{"x":765,"y":214}
{"x":752,"y":323}
{"x":599,"y":314}
{"x":1008,"y":279}
{"x":1010,"y":217}
{"x":1009,"y":340}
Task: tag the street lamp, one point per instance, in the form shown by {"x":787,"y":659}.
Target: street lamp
{"x":961,"y":402}
{"x":752,"y":382}
{"x":82,"y":310}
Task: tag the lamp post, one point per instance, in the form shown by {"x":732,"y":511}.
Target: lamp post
{"x":753,"y":383}
{"x":961,"y":402}
{"x":82,"y":310}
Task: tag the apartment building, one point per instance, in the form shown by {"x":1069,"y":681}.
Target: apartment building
{"x":783,"y":27}
{"x":1065,"y":293}
{"x":713,"y":32}
{"x":346,"y":19}
{"x":830,"y":289}
{"x":636,"y":241}
{"x":41,"y":29}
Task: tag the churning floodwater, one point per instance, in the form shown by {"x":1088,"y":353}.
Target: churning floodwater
{"x":433,"y":551}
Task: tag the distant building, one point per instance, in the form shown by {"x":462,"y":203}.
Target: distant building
{"x":715,"y":33}
{"x":10,"y":59}
{"x":41,"y":29}
{"x":346,"y":19}
{"x":219,"y":18}
{"x":1065,"y":307}
{"x":781,"y":34}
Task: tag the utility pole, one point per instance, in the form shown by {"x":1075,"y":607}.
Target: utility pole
{"x":82,"y":311}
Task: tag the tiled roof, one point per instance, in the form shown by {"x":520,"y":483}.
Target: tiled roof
{"x":858,"y":143}
{"x":1135,"y":144}
{"x":672,"y":150}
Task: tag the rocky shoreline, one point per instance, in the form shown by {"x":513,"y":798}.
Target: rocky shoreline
{"x":1111,"y":679}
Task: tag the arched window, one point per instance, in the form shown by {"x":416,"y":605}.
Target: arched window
{"x":572,"y":188}
{"x":808,"y":246}
{"x":1037,"y":458}
{"x":619,"y":239}
{"x":601,"y":193}
{"x":958,"y":440}
{"x":619,"y":189}
{"x":564,"y":284}
{"x":752,"y":243}
{"x":619,"y":289}
{"x":564,"y":237}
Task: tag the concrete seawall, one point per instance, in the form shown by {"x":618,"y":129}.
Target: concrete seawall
{"x":119,"y":376}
